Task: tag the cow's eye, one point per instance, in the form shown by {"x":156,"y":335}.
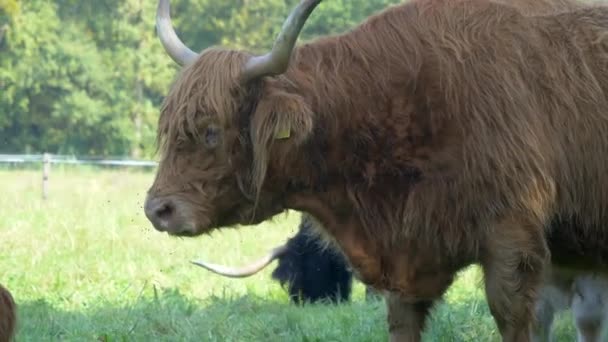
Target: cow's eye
{"x":212,"y":136}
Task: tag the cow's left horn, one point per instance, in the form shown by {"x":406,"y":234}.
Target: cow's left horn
{"x":178,"y":51}
{"x":245,"y":271}
{"x":276,"y":61}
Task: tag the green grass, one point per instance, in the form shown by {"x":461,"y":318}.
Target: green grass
{"x":85,"y":265}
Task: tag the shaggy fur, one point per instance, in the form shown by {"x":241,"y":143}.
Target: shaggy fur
{"x":313,"y":273}
{"x":8,"y":316}
{"x":319,"y":274}
{"x":436,"y":134}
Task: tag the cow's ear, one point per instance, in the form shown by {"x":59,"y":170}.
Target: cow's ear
{"x":281,"y":122}
{"x":281,"y":116}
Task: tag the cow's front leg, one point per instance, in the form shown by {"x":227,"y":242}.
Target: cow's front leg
{"x":545,"y":314}
{"x":406,"y":320}
{"x":513,"y":260}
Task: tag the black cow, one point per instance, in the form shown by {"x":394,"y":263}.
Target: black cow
{"x":310,"y":271}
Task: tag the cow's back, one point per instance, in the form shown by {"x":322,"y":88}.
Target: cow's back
{"x":541,"y":7}
{"x":523,"y":101}
{"x":574,"y":111}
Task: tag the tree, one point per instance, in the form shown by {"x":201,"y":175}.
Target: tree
{"x":88,"y":77}
{"x":51,"y":88}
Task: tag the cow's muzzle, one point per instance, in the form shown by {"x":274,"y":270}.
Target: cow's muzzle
{"x":166,"y":215}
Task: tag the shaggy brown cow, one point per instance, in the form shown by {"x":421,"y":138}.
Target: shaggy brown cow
{"x":435,"y":135}
{"x":8,"y":315}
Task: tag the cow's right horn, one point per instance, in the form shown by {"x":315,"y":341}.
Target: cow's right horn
{"x":178,"y":51}
{"x":277,"y":60}
{"x":245,"y":271}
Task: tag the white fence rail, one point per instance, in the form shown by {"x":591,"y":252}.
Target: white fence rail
{"x":47,"y":159}
{"x":70,"y":159}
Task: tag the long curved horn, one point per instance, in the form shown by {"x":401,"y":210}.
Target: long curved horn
{"x":245,"y":271}
{"x":276,"y":61}
{"x":178,"y":51}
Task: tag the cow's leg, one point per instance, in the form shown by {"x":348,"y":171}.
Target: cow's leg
{"x":372,"y":294}
{"x":548,"y":303}
{"x":514,"y":257}
{"x":589,"y":307}
{"x":405,"y":320}
{"x":541,"y":331}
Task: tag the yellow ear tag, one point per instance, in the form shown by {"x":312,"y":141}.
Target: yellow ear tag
{"x":284,"y":133}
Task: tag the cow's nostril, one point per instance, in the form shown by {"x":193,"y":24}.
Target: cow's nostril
{"x":165,"y":211}
{"x":160,"y":211}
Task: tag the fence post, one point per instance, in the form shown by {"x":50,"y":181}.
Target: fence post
{"x":46,"y":169}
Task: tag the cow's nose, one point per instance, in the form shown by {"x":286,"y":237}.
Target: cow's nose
{"x":160,"y":212}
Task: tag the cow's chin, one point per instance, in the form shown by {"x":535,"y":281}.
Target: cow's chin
{"x":242,"y":215}
{"x":192,"y":225}
{"x":189,"y":228}
{"x":196,"y":226}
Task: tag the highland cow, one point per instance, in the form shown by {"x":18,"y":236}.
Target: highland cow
{"x":435,"y":135}
{"x":8,"y":315}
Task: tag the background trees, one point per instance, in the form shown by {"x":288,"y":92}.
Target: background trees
{"x":87,"y":77}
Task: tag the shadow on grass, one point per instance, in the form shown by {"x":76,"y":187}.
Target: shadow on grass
{"x":172,"y":316}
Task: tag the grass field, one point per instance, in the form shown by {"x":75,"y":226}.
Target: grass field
{"x":85,"y":265}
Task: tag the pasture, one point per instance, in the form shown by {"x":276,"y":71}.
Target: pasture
{"x":86,"y":265}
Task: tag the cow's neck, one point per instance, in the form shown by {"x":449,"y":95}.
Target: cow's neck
{"x":359,"y":163}
{"x":405,"y":266}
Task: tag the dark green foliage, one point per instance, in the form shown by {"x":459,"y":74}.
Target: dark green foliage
{"x":87,"y":77}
